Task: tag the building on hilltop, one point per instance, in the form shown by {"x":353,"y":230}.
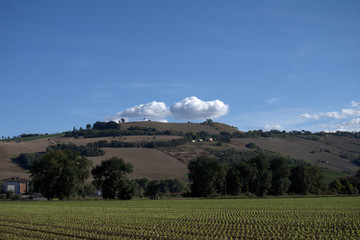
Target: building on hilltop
{"x":16,"y":185}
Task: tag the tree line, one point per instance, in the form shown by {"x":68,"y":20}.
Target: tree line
{"x":62,"y":174}
{"x":209,"y":177}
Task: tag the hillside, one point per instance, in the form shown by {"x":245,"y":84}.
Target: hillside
{"x":330,"y":152}
{"x":212,"y":128}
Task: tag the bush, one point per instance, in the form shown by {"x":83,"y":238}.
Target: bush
{"x":250,"y":145}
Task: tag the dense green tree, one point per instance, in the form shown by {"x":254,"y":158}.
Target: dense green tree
{"x":224,"y":137}
{"x":336,"y":185}
{"x":207,"y":176}
{"x":152,"y":188}
{"x":57,"y":174}
{"x":300,"y":181}
{"x":316,"y":179}
{"x":171,"y":186}
{"x":305,"y":179}
{"x":141,"y":184}
{"x":239,"y":177}
{"x":111,"y":177}
{"x":106,"y":125}
{"x":280,"y":176}
{"x":262,"y":183}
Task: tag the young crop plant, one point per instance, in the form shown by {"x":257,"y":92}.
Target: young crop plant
{"x":283,"y":218}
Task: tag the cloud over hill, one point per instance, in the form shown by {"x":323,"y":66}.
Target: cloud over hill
{"x":350,"y":117}
{"x":190,"y":108}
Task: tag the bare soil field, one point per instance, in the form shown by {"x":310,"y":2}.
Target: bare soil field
{"x":189,"y":151}
{"x":331,"y":152}
{"x":147,"y":162}
{"x":84,"y":141}
{"x":9,"y":150}
{"x":317,"y":152}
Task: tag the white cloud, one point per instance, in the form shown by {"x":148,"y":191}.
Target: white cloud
{"x":355,"y":104}
{"x":343,"y":114}
{"x":350,"y":126}
{"x":192,"y":108}
{"x":154,"y":110}
{"x":272,"y":101}
{"x":306,"y":115}
{"x":269,"y":127}
{"x":352,"y":113}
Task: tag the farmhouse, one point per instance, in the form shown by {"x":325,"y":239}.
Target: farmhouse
{"x":16,"y":185}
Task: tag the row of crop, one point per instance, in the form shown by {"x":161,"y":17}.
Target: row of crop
{"x":176,"y":223}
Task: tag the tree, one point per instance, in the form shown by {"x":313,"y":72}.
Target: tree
{"x":57,"y":174}
{"x":239,"y":177}
{"x":111,"y":177}
{"x":305,"y":179}
{"x":280,"y":176}
{"x":152,"y":188}
{"x":300,"y":181}
{"x":336,"y":185}
{"x":88,"y":126}
{"x":106,"y":125}
{"x":262,"y":182}
{"x":224,"y":137}
{"x":207,"y":175}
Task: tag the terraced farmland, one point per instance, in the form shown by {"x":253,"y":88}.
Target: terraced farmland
{"x":291,"y":218}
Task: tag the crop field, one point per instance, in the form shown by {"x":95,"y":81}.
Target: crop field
{"x":286,"y":218}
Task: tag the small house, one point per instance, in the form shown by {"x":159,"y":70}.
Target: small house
{"x":16,"y":185}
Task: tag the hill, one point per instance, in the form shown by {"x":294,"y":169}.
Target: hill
{"x":332,"y":152}
{"x":210,"y":127}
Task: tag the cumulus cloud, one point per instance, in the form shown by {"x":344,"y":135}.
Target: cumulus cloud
{"x":306,"y":115}
{"x":355,"y":104}
{"x":269,"y":127}
{"x":352,"y":113}
{"x":154,"y":110}
{"x":350,"y":126}
{"x":190,"y":108}
{"x":193,"y":108}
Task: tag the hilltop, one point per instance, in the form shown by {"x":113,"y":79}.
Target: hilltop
{"x":158,"y":150}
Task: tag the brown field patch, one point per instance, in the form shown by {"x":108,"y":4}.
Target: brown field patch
{"x":9,"y":150}
{"x":324,"y":155}
{"x":147,"y":162}
{"x":84,"y":141}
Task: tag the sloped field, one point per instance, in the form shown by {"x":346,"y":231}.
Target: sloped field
{"x":147,"y":162}
{"x":324,"y":154}
{"x":9,"y":150}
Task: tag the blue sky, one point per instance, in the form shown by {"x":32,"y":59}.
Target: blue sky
{"x":288,"y":65}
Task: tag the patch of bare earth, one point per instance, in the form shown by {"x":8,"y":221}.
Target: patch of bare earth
{"x":324,"y":155}
{"x":187,"y":152}
{"x":148,"y":162}
{"x":9,"y":150}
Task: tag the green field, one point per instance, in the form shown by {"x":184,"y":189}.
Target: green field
{"x":283,"y":218}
